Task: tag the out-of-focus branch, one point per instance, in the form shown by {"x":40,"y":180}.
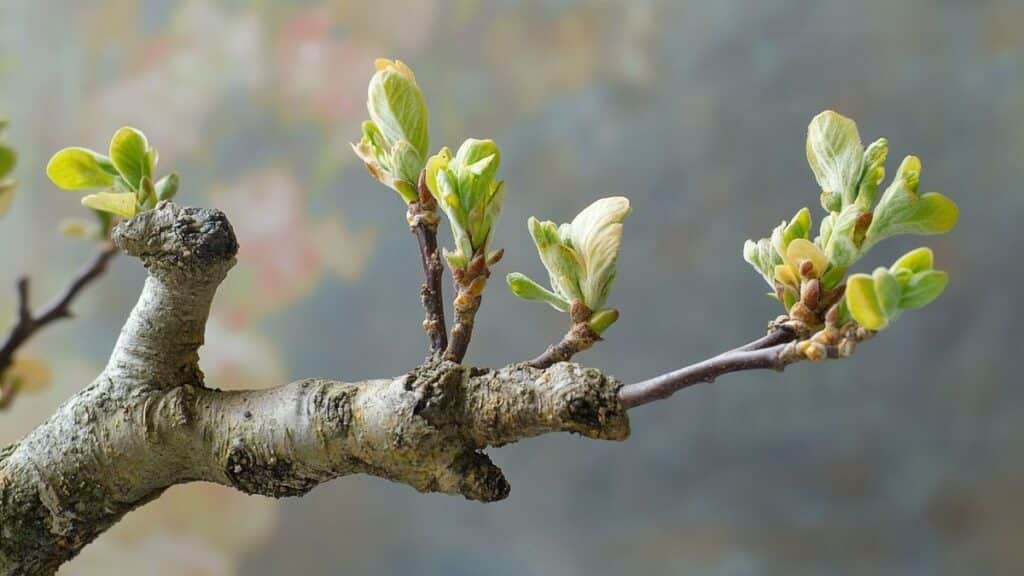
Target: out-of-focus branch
{"x":423,"y":221}
{"x":29,"y":323}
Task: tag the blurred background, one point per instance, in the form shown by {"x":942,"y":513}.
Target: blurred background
{"x":900,"y":461}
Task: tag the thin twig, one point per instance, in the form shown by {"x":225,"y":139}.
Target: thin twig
{"x":738,"y":360}
{"x":776,"y":350}
{"x":773,"y":337}
{"x":423,"y":220}
{"x":28,"y":323}
{"x":579,"y":338}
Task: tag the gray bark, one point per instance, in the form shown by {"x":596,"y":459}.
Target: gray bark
{"x":149,"y":421}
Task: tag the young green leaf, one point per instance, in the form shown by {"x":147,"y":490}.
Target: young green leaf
{"x":78,"y":168}
{"x":167,"y":187}
{"x":918,"y":260}
{"x":902,"y":211}
{"x":863,"y":302}
{"x":397,"y":107}
{"x":596,"y":234}
{"x":872,"y":174}
{"x":122,"y":204}
{"x":801,"y":250}
{"x":129,"y":152}
{"x":562,"y":263}
{"x":888,"y":291}
{"x":600,"y":321}
{"x":527,"y":289}
{"x":922,"y":288}
{"x":835,"y":154}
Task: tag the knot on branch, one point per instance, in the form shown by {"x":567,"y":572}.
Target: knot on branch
{"x":180,"y":240}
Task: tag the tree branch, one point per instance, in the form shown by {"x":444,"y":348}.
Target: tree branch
{"x":148,"y":421}
{"x":775,"y":351}
{"x":28,"y":323}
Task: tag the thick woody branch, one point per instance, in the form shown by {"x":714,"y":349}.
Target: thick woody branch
{"x":149,"y":422}
{"x":29,"y":323}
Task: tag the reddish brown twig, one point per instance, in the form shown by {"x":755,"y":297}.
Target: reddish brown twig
{"x":423,"y":221}
{"x":29,"y":323}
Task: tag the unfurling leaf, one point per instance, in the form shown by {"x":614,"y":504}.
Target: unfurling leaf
{"x":872,"y":173}
{"x":835,"y":154}
{"x":527,"y":289}
{"x":888,"y":292}
{"x":763,"y":257}
{"x":918,"y":260}
{"x":80,"y":169}
{"x":600,"y":321}
{"x":130,"y":154}
{"x":121,"y":203}
{"x":561,"y":261}
{"x":397,"y":108}
{"x":596,"y":235}
{"x":167,"y":187}
{"x":902,"y":211}
{"x":581,"y":256}
{"x":801,"y":250}
{"x":395,"y":142}
{"x":863,"y":302}
{"x":922,"y":288}
{"x":467,"y":190}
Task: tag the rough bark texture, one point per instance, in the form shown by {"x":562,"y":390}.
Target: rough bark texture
{"x":149,"y":421}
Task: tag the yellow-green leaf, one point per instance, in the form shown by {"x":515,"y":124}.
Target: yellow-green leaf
{"x":917,"y":260}
{"x":167,"y":187}
{"x":863,"y":302}
{"x":78,"y":168}
{"x":800,"y":250}
{"x":888,"y":291}
{"x":129,"y":151}
{"x":122,"y":204}
{"x":525,"y":288}
{"x":600,"y":321}
{"x":784,"y":275}
{"x":922,"y":288}
{"x":902,"y":211}
{"x":835,"y":154}
{"x":396,"y":106}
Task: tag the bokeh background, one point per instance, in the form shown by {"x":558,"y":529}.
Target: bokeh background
{"x":904,"y":460}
